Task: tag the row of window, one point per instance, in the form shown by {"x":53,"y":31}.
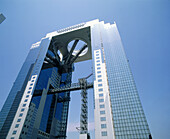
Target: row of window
{"x":101,"y":100}
{"x":98,"y":72}
{"x":98,"y":59}
{"x":23,"y":106}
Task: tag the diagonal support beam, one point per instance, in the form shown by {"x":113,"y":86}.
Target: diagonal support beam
{"x":55,"y":60}
{"x":54,"y":48}
{"x":49,"y":56}
{"x":50,"y":61}
{"x":71,"y":51}
{"x":74,"y":58}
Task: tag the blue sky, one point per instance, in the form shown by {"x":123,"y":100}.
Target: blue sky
{"x":144,"y":29}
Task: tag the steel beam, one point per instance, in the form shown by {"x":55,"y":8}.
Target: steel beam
{"x":74,"y":58}
{"x":73,"y":87}
{"x":71,"y":51}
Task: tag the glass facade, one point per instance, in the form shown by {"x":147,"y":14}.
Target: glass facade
{"x":25,"y":115}
{"x":123,"y":102}
{"x":128,"y":116}
{"x":54,"y":113}
{"x":13,"y":100}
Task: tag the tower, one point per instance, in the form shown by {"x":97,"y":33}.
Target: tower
{"x":118,"y":110}
{"x":31,"y":111}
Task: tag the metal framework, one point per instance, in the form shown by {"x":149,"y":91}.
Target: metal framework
{"x":84,"y":107}
{"x":73,"y":87}
{"x":66,"y":65}
{"x":82,"y":85}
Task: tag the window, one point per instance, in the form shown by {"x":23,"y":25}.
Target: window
{"x":98,"y":61}
{"x":99,"y":72}
{"x":97,"y":57}
{"x":12,"y":138}
{"x":99,"y":76}
{"x":29,"y":92}
{"x":20,"y":115}
{"x":17,"y":125}
{"x":100,"y":80}
{"x":23,"y":105}
{"x":32,"y":81}
{"x":102,"y":106}
{"x":102,"y":118}
{"x":19,"y":120}
{"x":97,"y":51}
{"x":25,"y":100}
{"x":102,"y":112}
{"x":101,"y":100}
{"x":103,"y":125}
{"x":30,"y":88}
{"x":100,"y":95}
{"x":101,"y":89}
{"x":31,"y":84}
{"x":104,"y":133}
{"x":99,"y":68}
{"x":22,"y":109}
{"x":98,"y":64}
{"x":34,"y":77}
{"x":14,"y":132}
{"x":27,"y":96}
{"x":99,"y":85}
{"x":97,"y":54}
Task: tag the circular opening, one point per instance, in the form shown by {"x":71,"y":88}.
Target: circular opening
{"x":78,"y":47}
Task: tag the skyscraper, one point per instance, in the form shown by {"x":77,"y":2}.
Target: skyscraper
{"x":118,"y":110}
{"x":32,"y":111}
